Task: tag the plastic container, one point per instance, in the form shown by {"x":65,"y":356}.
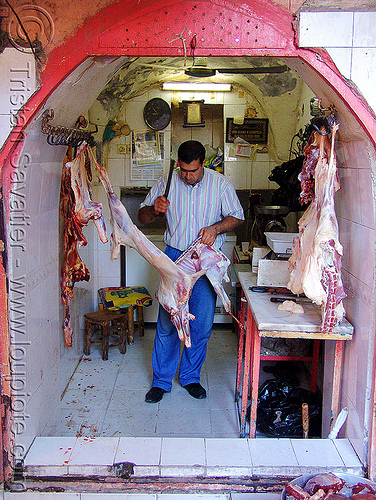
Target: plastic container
{"x":280,"y":243}
{"x":351,"y":480}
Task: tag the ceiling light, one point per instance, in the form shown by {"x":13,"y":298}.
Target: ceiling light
{"x":201,"y":87}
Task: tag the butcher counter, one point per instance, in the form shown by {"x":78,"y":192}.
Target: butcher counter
{"x":261,"y":318}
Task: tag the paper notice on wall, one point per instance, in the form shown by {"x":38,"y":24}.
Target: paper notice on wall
{"x":239,"y":120}
{"x":147,"y":155}
{"x":242,"y":147}
{"x":145,"y":173}
{"x":146,"y":147}
{"x":243,"y":150}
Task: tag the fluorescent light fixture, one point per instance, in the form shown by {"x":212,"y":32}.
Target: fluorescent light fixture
{"x":200,"y":87}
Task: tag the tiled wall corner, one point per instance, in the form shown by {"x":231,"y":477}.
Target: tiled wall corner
{"x":352,"y":44}
{"x":316,"y":29}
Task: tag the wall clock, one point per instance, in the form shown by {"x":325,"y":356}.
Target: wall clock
{"x":157,"y":114}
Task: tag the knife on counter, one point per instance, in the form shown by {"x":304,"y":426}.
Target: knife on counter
{"x":293,"y":299}
{"x":270,"y":289}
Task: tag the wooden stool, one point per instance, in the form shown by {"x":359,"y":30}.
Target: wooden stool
{"x":129,"y":313}
{"x":139,"y":322}
{"x":111,"y":324}
{"x":127,"y":300}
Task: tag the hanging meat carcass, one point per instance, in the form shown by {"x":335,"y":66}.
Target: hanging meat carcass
{"x":315,"y":264}
{"x":177,"y":278}
{"x":76,"y":209}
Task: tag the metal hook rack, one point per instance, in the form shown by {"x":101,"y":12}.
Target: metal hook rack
{"x":64,"y":136}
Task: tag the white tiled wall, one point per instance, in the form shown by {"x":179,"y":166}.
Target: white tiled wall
{"x":36,"y":311}
{"x":17,"y":84}
{"x":352,"y":46}
{"x":34,"y":295}
{"x":354,"y":202}
{"x":350,"y":39}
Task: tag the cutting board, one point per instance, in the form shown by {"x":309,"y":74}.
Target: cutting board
{"x":273,"y":272}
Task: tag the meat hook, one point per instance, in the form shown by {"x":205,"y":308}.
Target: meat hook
{"x":64,"y":136}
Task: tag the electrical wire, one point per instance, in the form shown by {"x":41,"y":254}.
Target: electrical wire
{"x":25,"y":32}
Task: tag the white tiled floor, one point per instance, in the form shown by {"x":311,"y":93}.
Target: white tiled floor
{"x":107,"y":398}
{"x":178,"y":437}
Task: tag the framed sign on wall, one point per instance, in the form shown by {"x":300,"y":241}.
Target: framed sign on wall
{"x":252,"y":130}
{"x":193,"y":113}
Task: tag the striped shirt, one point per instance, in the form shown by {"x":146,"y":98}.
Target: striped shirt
{"x":193,"y":207}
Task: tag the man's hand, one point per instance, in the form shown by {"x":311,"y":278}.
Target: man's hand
{"x":148,"y":214}
{"x":161,"y":204}
{"x":208,"y":235}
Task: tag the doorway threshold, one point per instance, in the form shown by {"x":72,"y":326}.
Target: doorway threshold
{"x":141,"y":459}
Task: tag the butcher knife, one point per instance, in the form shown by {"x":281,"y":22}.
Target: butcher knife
{"x":172,"y":165}
{"x":168,"y":184}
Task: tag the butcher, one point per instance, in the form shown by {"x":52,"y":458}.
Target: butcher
{"x":201,"y":203}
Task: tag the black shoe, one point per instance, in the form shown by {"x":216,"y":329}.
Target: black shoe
{"x":196,"y":390}
{"x":154,"y":395}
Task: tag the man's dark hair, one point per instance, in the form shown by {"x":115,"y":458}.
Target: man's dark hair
{"x":190,"y":151}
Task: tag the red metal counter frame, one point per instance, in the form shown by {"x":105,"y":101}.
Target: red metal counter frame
{"x":305,"y":325}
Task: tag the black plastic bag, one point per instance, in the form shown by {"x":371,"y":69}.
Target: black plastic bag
{"x":286,"y":176}
{"x":279,"y":410}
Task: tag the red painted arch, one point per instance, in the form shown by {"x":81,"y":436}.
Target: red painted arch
{"x":222,"y":28}
{"x":147,"y":28}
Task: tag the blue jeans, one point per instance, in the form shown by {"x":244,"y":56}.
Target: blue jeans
{"x":166,"y":352}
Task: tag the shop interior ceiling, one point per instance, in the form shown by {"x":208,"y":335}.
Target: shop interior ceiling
{"x":260,"y":76}
{"x":273,"y":89}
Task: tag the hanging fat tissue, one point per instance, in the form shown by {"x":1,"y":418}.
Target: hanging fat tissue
{"x":177,"y":278}
{"x":315,"y":264}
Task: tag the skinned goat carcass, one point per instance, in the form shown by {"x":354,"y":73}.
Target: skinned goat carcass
{"x":200,"y":256}
{"x":315,"y":264}
{"x":85,"y":209}
{"x":197,"y":260}
{"x":177,"y":278}
{"x":76,"y":209}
